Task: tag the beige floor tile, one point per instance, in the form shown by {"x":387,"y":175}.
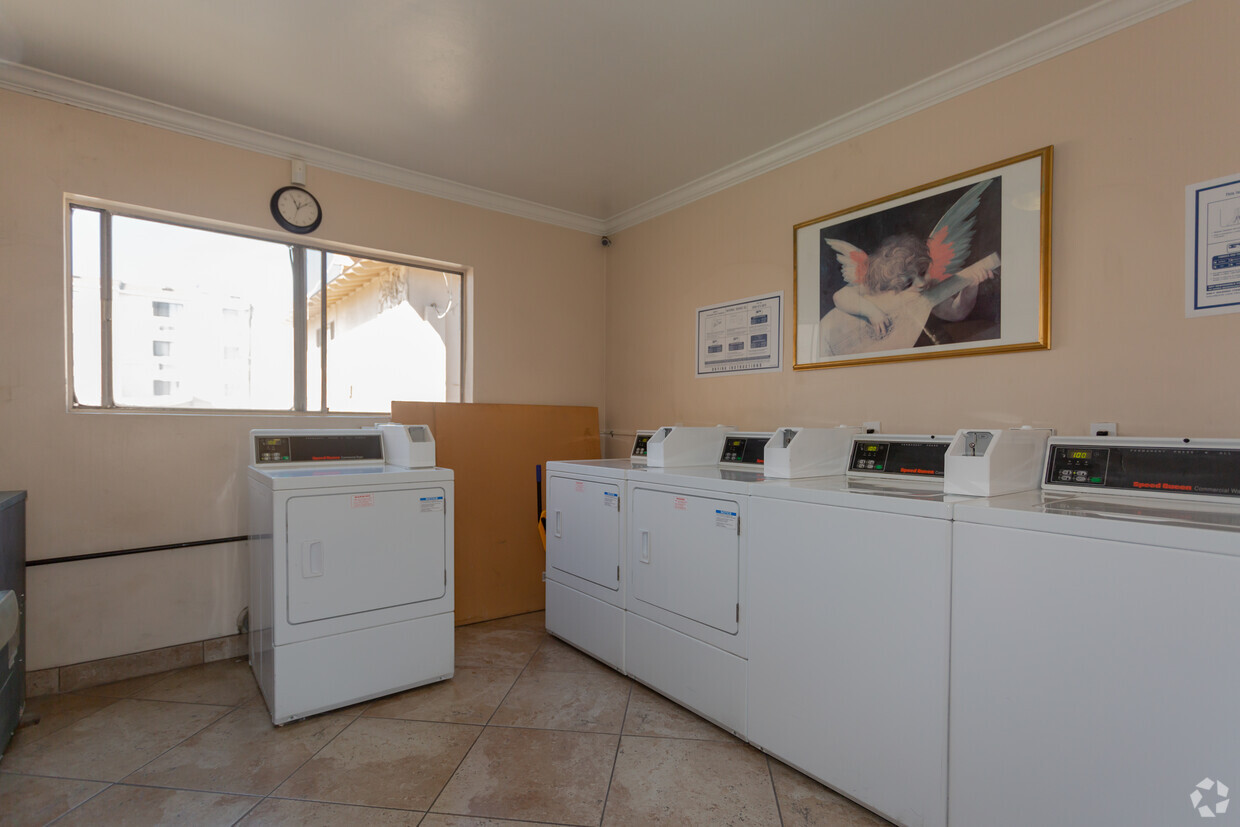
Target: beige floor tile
{"x":687,"y":783}
{"x":653,"y":715}
{"x":532,"y":775}
{"x":578,"y":701}
{"x":241,"y":753}
{"x":556,"y":656}
{"x":803,"y":802}
{"x":226,"y":682}
{"x":55,"y":713}
{"x":496,"y":648}
{"x":469,"y":697}
{"x":381,"y":762}
{"x":114,"y":741}
{"x":530,"y":620}
{"x":123,"y":689}
{"x":30,"y":800}
{"x":441,"y":820}
{"x":121,"y":806}
{"x":283,"y":812}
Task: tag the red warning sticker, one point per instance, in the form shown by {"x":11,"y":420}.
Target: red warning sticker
{"x":680,"y":504}
{"x":362,"y":500}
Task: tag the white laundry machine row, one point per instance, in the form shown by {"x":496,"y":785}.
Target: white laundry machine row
{"x":586,"y":528}
{"x":351,"y":568}
{"x":1095,"y":671}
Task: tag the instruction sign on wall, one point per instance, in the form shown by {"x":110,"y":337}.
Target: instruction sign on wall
{"x":1212,"y":228}
{"x":741,"y":337}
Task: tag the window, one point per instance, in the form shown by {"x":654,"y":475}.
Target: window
{"x":168,"y":316}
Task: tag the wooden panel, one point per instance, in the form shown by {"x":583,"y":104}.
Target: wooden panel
{"x":494,"y":450}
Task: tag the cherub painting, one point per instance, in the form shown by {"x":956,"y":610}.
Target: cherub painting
{"x":919,"y":274}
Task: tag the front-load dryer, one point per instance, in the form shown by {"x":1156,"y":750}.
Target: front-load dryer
{"x":1095,"y":663}
{"x":686,"y":619}
{"x":351,"y":571}
{"x":585,"y":552}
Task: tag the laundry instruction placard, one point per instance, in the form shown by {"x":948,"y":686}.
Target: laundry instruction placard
{"x":741,"y":337}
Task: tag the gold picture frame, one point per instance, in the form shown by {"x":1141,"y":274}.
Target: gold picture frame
{"x":956,"y":267}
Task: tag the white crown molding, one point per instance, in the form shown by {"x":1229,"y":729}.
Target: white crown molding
{"x":1088,"y":25}
{"x":1076,"y":30}
{"x":18,"y":78}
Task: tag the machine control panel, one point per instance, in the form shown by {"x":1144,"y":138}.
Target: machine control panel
{"x":639,"y":446}
{"x":899,"y":457}
{"x":1183,"y":468}
{"x":290,"y":448}
{"x":744,"y":450}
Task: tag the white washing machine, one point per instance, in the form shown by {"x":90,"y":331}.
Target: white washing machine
{"x":351,"y":571}
{"x":585,"y":552}
{"x":849,"y":591}
{"x":686,"y":619}
{"x":1095,"y":671}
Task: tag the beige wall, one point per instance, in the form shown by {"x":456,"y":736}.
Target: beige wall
{"x":1134,"y":118}
{"x":106,"y":481}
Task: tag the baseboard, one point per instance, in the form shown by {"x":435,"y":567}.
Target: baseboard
{"x":83,"y":675}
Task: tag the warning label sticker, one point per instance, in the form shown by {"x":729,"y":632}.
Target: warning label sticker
{"x":611,"y":500}
{"x":362,"y":500}
{"x":579,"y":486}
{"x":725,"y":519}
{"x":431,"y":504}
{"x":680,"y":504}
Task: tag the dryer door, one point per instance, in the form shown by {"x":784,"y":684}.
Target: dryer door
{"x":583,"y":529}
{"x":684,"y":553}
{"x":361,"y":551}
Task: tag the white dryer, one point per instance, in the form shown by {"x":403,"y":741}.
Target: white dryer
{"x":1095,"y":658}
{"x":585,"y":552}
{"x":685,"y":624}
{"x":849,"y":587}
{"x":351,"y":575}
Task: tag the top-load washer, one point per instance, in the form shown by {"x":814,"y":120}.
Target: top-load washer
{"x":1095,"y":658}
{"x":586,"y":523}
{"x":849,"y":589}
{"x":351,"y":570}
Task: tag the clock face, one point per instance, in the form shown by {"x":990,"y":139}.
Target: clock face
{"x":296,"y":210}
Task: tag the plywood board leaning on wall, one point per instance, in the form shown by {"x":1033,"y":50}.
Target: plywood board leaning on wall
{"x":494,"y":450}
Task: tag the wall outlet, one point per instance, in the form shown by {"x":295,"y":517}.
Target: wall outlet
{"x":1103,"y":429}
{"x":874,"y":427}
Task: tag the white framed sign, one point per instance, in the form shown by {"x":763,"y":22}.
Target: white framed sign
{"x":743,"y":336}
{"x":1212,"y":241}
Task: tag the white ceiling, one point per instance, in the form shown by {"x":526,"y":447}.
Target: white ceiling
{"x":588,"y":113}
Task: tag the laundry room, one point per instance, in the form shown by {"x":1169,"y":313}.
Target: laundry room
{"x":562,"y":315}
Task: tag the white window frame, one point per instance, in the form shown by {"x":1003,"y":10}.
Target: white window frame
{"x":109,"y":209}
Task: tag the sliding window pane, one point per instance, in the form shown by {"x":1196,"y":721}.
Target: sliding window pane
{"x":393,"y":333}
{"x":199,"y":319}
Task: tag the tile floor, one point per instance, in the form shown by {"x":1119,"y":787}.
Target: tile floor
{"x":528,"y":731}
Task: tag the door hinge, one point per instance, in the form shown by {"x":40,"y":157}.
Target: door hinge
{"x":738,"y":613}
{"x":445,"y":578}
{"x":617,"y":574}
{"x":738,"y":525}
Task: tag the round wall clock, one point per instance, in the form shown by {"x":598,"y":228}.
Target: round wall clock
{"x":296,"y":210}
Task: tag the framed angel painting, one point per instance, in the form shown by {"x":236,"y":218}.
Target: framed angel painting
{"x":956,"y":267}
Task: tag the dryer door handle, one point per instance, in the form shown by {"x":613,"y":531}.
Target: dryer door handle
{"x":645,"y":558}
{"x":559,"y":527}
{"x":312,"y":558}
